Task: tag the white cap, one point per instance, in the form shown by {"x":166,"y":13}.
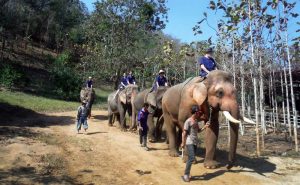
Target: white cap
{"x":161,"y":71}
{"x":90,"y":77}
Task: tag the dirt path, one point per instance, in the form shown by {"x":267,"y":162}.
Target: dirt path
{"x":57,"y":155}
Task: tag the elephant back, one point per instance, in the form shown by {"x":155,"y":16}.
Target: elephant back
{"x":87,"y":94}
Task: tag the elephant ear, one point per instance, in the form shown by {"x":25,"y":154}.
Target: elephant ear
{"x":122,"y":97}
{"x":151,"y":98}
{"x":199,"y":93}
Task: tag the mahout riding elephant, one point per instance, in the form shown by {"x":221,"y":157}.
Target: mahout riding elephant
{"x":88,"y":94}
{"x":120,"y":103}
{"x":154,"y":99}
{"x":215,"y":93}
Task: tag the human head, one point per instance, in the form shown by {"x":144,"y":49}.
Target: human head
{"x":146,"y":105}
{"x":209,"y":51}
{"x":195,"y":109}
{"x":84,"y":102}
{"x":130,"y":73}
{"x":124,"y":74}
{"x":161,"y":72}
{"x":197,"y":113}
{"x":90,"y":77}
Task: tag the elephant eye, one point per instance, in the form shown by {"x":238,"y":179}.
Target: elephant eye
{"x":220,"y":93}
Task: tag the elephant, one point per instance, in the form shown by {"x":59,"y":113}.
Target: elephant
{"x":215,"y":93}
{"x":154,"y":99}
{"x":88,"y":94}
{"x":120,"y":103}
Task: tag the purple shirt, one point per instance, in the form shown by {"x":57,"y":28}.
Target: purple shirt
{"x":124,"y":81}
{"x":161,"y":80}
{"x":209,"y":64}
{"x":131,"y":79}
{"x":142,"y":118}
{"x":89,"y":83}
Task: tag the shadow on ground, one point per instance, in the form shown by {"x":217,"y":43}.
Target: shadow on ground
{"x":25,"y":174}
{"x":244,"y":164}
{"x":18,"y":116}
{"x":101,"y":117}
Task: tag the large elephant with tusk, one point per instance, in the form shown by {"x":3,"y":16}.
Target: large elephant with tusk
{"x":215,"y":93}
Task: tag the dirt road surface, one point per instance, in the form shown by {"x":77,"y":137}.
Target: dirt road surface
{"x":49,"y":151}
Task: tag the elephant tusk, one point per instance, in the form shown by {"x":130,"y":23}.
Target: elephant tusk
{"x":230,"y":118}
{"x":248,"y":120}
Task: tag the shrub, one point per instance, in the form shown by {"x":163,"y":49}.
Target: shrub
{"x":8,"y":76}
{"x":65,"y":79}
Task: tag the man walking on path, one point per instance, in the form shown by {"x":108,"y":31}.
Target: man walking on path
{"x":142,"y":125}
{"x":190,"y":139}
{"x":82,"y":115}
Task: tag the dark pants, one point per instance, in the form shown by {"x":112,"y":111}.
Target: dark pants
{"x":191,"y":149}
{"x":143,"y":137}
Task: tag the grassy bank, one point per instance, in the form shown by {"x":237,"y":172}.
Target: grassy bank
{"x":42,"y":104}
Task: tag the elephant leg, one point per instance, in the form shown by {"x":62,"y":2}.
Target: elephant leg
{"x":171,"y":131}
{"x":151,"y":128}
{"x":110,"y":119}
{"x":158,"y":128}
{"x":233,"y":143}
{"x":211,"y":137}
{"x":117,"y":116}
{"x":90,"y":110}
{"x":129,"y":111}
{"x":122,"y":112}
{"x":179,"y":138}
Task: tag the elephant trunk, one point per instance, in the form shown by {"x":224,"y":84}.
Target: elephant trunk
{"x":234,"y":127}
{"x":133,"y":116}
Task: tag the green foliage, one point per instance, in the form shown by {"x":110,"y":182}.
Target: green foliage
{"x":66,"y":80}
{"x":47,"y":21}
{"x":9,"y":76}
{"x":36,"y":103}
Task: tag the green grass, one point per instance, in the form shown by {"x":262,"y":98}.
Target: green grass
{"x":42,"y":104}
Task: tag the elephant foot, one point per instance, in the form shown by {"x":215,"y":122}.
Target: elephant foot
{"x":210,"y":164}
{"x":123,"y":129}
{"x":152,"y":140}
{"x":173,"y":153}
{"x":132,"y":129}
{"x":229,"y":165}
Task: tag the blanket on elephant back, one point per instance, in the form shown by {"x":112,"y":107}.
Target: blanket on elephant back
{"x":86,"y":94}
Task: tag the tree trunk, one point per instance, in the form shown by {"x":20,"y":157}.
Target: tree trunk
{"x":261,"y":105}
{"x":283,"y":106}
{"x":233,"y":63}
{"x":287,"y":102}
{"x":254,"y":80}
{"x":292,"y":94}
{"x":272,"y":98}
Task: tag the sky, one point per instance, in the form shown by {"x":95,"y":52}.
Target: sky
{"x":183,"y":15}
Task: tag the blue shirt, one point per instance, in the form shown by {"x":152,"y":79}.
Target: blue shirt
{"x":209,"y":63}
{"x":124,"y":81}
{"x":161,"y":80}
{"x":131,"y":79}
{"x":142,"y":118}
{"x":89,"y":83}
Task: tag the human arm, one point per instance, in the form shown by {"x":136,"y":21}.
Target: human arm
{"x":140,"y":117}
{"x":204,"y":68}
{"x":78,"y":113}
{"x":166,"y":82}
{"x":184,"y":136}
{"x":184,"y":133}
{"x":205,"y":126}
